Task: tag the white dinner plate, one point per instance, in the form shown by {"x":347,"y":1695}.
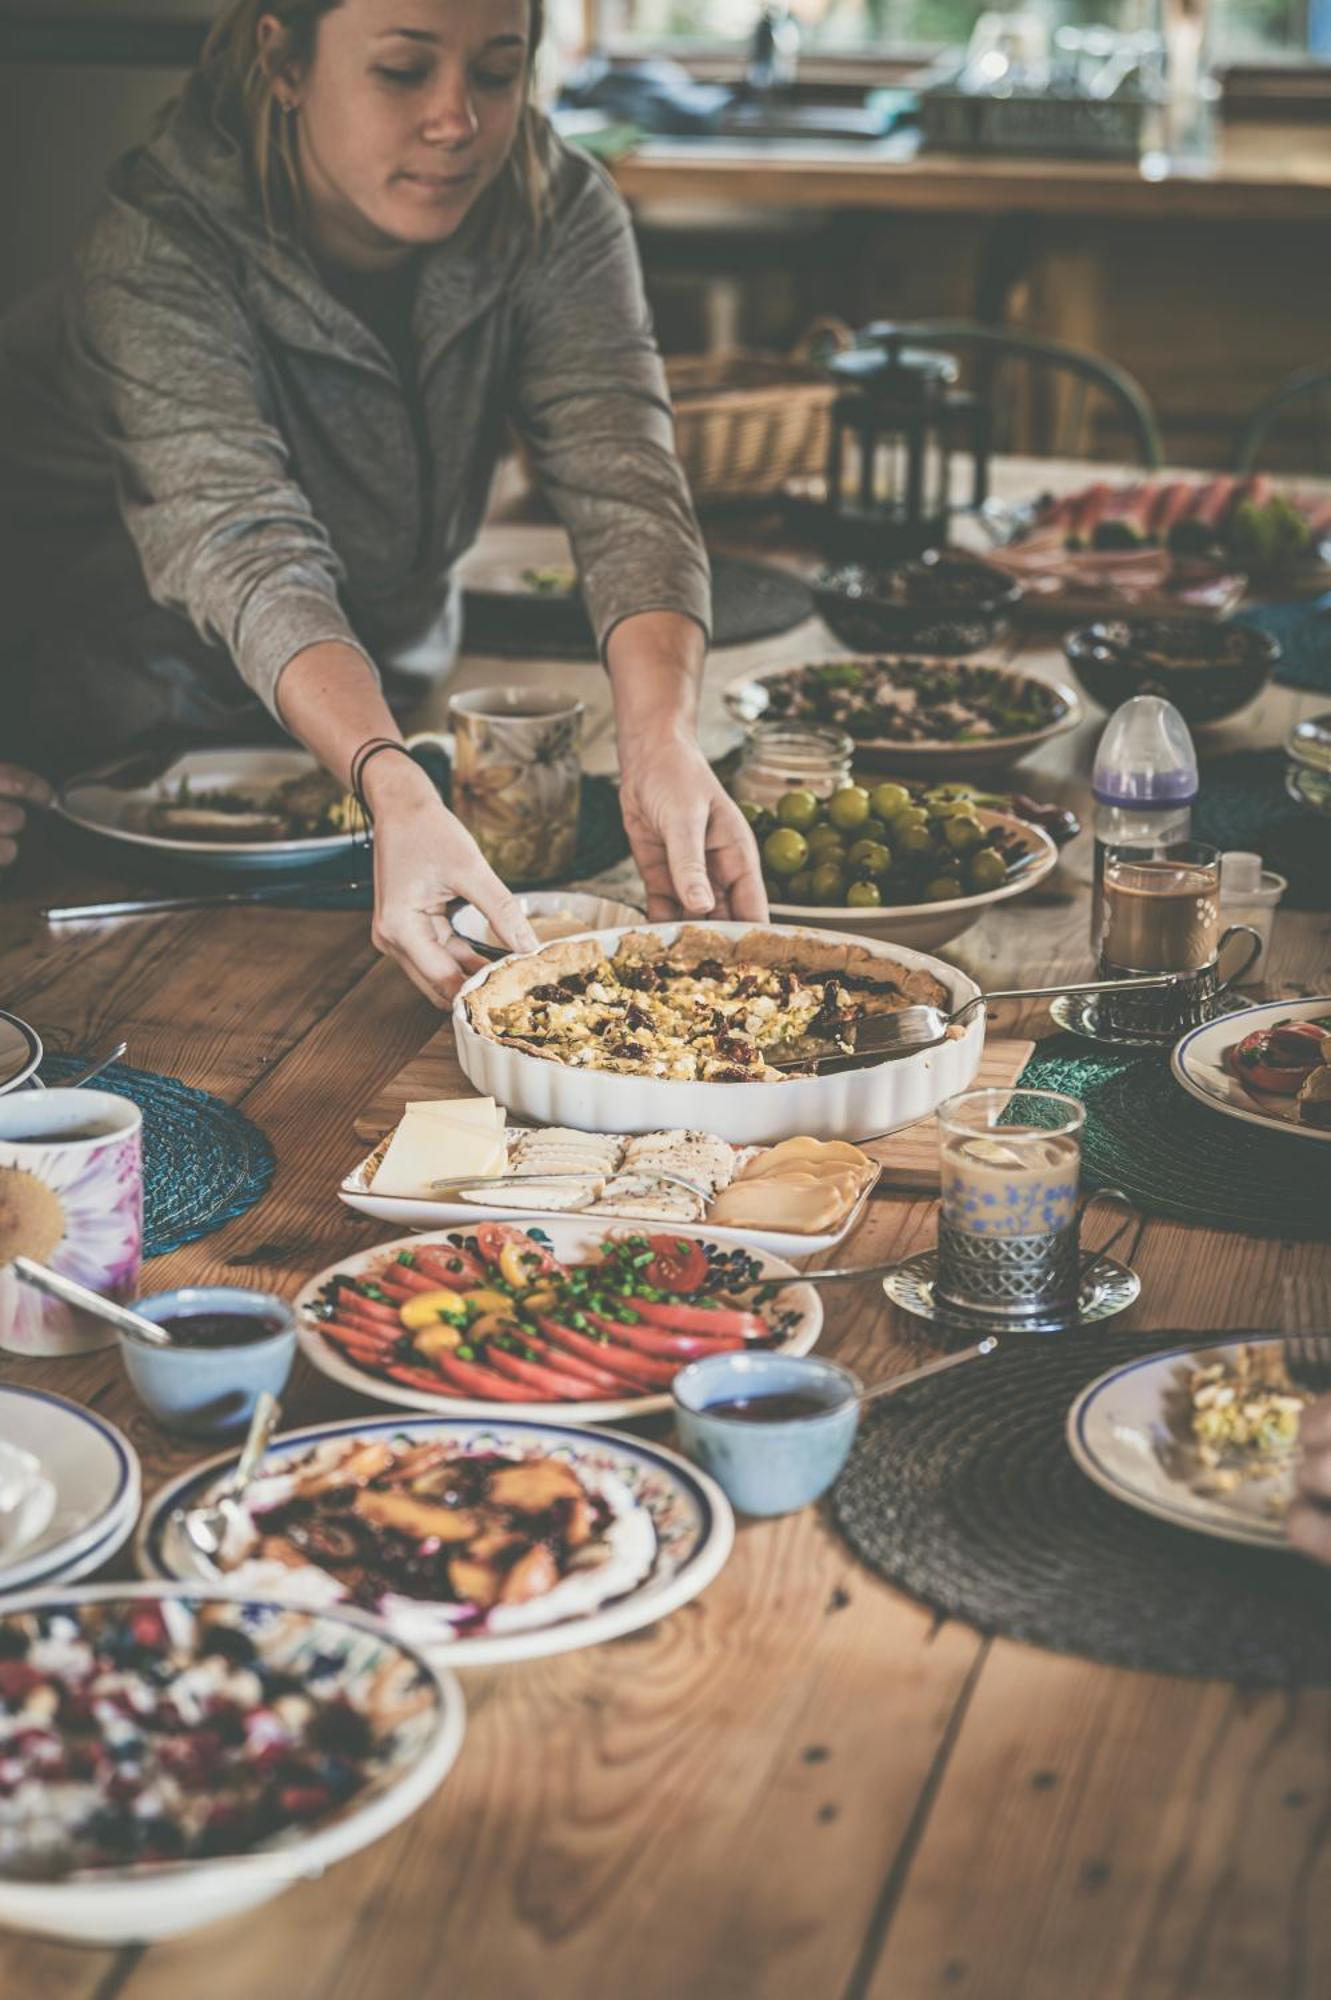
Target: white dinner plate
{"x":95,"y":1472}
{"x":569,"y":1238}
{"x":1198,"y":1063}
{"x":100,"y":808}
{"x":20,"y":1051}
{"x":1120,"y":1432}
{"x":690,"y":1518}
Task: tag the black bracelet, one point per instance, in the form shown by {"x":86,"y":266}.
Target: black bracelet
{"x":361,"y":759}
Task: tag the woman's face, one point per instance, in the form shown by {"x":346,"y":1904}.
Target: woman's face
{"x":404,"y":117}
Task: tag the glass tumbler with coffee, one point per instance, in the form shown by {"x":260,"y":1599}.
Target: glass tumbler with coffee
{"x":1009,"y":1226}
{"x":1161,"y":913}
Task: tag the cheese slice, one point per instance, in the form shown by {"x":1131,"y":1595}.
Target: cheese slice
{"x":460,"y":1110}
{"x":425,"y":1150}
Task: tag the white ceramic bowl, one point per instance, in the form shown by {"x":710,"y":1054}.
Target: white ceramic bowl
{"x":857,"y":1104}
{"x":594,"y":913}
{"x":926,"y":924}
{"x":133,"y":1905}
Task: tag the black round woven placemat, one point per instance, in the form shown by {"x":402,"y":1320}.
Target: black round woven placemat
{"x":1174,"y":1157}
{"x":963,"y":1492}
{"x":1243,"y":804}
{"x":750,"y":601}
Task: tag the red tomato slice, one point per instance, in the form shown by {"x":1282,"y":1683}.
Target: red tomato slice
{"x":678,"y":1265}
{"x":546,"y":1384}
{"x":638,"y":1372}
{"x":712,"y":1322}
{"x":473,"y":1379}
{"x":491,"y":1238}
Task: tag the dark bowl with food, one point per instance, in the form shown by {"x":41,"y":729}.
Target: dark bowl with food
{"x":939,"y":603}
{"x":1208,"y":669}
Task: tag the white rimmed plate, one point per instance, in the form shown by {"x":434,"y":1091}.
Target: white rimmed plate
{"x":925,"y":925}
{"x":856,"y":1104}
{"x":1127,"y":1432}
{"x":20,"y":1051}
{"x":1198,"y":1064}
{"x":95,"y":1472}
{"x":570,"y":1238}
{"x":748,"y":700}
{"x":414,"y":1213}
{"x":690,"y":1518}
{"x":97,"y":807}
{"x":423,"y":1719}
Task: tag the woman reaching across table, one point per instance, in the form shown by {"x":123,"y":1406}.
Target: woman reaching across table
{"x":243,"y":448}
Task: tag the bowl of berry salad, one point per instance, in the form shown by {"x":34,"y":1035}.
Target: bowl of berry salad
{"x":170,"y":1756}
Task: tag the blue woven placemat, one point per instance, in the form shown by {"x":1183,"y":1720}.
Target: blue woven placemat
{"x":203,"y":1162}
{"x":1175,"y":1158}
{"x":1304,"y":635}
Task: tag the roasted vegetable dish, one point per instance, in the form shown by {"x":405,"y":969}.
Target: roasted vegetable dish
{"x":915,"y":701}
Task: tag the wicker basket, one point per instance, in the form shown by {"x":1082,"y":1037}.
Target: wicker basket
{"x":746,"y":422}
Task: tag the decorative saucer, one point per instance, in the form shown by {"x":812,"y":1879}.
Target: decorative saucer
{"x":1079,"y":1014}
{"x":1107,"y":1288}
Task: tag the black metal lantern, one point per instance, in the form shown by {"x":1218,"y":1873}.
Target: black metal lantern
{"x":894,"y":430}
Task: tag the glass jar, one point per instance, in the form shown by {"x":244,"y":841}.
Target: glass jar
{"x":781,"y":757}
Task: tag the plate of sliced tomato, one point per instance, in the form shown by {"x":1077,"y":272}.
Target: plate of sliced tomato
{"x":570,"y":1319}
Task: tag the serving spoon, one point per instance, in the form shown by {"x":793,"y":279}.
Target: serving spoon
{"x":205,"y":1528}
{"x":883,"y":1037}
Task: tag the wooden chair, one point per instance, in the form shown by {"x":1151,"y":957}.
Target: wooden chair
{"x":1295,"y":419}
{"x":1038,"y":392}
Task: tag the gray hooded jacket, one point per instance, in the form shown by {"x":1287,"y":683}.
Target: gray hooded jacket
{"x":207,"y":458}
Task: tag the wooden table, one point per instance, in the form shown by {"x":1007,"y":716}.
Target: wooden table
{"x":803,"y":1785}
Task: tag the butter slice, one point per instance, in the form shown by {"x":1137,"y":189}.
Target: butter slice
{"x":425,"y":1150}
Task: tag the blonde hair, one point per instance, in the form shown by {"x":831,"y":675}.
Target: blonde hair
{"x":233,"y":65}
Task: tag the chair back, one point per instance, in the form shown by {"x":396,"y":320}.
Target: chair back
{"x":1291,"y":428}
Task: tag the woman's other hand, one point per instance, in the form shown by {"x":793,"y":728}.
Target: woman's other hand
{"x":1309,"y":1522}
{"x":693,"y":846}
{"x":18,"y":788}
{"x":423,"y":859}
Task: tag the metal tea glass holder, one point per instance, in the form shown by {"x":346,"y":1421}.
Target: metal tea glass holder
{"x":1009,"y":1255}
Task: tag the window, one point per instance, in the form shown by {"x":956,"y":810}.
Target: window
{"x":1240,"y":29}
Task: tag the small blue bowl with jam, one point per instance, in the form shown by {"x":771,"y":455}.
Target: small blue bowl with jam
{"x":227,"y":1345}
{"x":774,"y":1430}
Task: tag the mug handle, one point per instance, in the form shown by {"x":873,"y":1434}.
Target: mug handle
{"x":1255,"y":942}
{"x":1134,"y":1215}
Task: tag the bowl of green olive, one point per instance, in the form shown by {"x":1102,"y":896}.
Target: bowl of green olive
{"x":914,"y":865}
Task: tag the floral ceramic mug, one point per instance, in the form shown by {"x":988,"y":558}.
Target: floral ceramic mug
{"x":517,"y":779}
{"x":71,"y":1196}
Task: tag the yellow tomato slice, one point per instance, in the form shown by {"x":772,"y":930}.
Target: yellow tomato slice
{"x":481,"y":1301}
{"x":427,"y":1307}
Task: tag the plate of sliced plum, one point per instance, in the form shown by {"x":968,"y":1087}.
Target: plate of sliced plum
{"x":1269,"y":1065}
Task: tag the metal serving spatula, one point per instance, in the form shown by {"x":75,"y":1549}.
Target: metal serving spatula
{"x":883,"y":1037}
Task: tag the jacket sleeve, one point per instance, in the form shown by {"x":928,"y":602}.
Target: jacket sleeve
{"x":593,"y":406}
{"x":173,"y":383}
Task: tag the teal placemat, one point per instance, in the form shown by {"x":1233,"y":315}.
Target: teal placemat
{"x":203,"y":1161}
{"x":1173,"y":1156}
{"x":1303,"y":632}
{"x":1243,"y":804}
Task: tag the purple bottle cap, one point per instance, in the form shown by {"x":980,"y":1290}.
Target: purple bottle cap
{"x":1145,"y":756}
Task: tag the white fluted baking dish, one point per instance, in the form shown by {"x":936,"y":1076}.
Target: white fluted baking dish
{"x":858,"y":1104}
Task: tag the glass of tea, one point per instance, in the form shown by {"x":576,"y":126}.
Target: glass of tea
{"x":1009,"y":1226}
{"x":1161,"y":913}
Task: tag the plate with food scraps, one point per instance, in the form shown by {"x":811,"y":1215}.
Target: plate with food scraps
{"x":658,"y":1180}
{"x":568,"y":1320}
{"x":915,"y":715}
{"x":1268,"y":1065}
{"x":481,"y":1541}
{"x":246,"y":810}
{"x":1202,"y":1436}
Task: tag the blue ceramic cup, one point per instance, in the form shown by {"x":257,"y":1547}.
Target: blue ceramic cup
{"x":767,"y":1467}
{"x":210,"y":1392}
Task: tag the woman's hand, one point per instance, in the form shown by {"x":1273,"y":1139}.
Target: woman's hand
{"x":693,"y":846}
{"x":1309,"y":1522}
{"x":17,"y":788}
{"x":423,"y":859}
